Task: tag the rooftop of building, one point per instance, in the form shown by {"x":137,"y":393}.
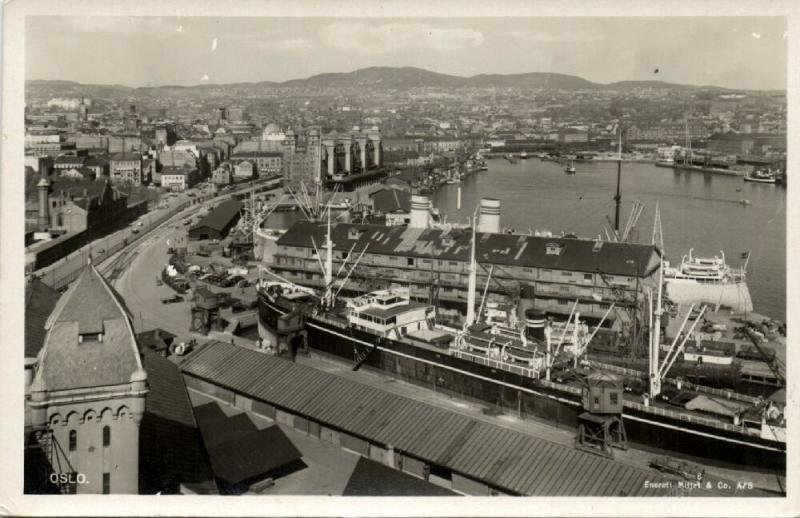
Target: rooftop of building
{"x":390,"y":200}
{"x":502,"y":249}
{"x":511,"y":460}
{"x":238,"y":450}
{"x":126,"y":157}
{"x":221,"y":216}
{"x":370,"y":478}
{"x":96,"y":161}
{"x":70,"y":160}
{"x":171,"y":450}
{"x":40,"y":300}
{"x":257,"y":154}
{"x":90,"y":340}
{"x":170,"y":170}
{"x":79,"y":190}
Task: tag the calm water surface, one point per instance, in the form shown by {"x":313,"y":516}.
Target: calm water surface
{"x":697,"y":211}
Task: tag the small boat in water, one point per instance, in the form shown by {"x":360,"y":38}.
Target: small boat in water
{"x":761,"y":176}
{"x":570,"y":168}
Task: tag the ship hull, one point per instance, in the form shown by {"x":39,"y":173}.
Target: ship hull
{"x":734,"y":295}
{"x":557,"y":404}
{"x":530,"y":398}
{"x":699,"y":169}
{"x":760,"y":180}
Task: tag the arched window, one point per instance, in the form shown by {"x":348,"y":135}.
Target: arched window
{"x":106,"y":436}
{"x":73,"y":440}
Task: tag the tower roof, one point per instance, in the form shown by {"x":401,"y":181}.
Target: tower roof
{"x":90,"y":340}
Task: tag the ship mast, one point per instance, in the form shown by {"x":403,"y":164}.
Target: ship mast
{"x":328,"y":264}
{"x":655,"y":337}
{"x":658,"y":236}
{"x":687,"y":160}
{"x":618,"y":197}
{"x":473,"y":274}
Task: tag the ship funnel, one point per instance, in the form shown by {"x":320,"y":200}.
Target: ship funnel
{"x":490,"y":216}
{"x":420,"y":211}
{"x":535,"y":321}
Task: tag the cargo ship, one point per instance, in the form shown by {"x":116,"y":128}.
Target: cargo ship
{"x":537,"y":369}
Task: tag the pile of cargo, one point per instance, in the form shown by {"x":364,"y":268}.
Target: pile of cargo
{"x":170,"y":276}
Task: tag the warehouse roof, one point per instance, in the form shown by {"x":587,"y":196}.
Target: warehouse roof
{"x":171,"y":450}
{"x":391,"y":200}
{"x":221,"y":216}
{"x":500,"y":249}
{"x":510,"y":460}
{"x":40,"y":300}
{"x":167,"y":397}
{"x":370,"y":478}
{"x":238,"y":450}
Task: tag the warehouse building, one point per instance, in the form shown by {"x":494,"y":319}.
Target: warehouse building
{"x":551,"y":272}
{"x":217,"y":223}
{"x":452,"y":450}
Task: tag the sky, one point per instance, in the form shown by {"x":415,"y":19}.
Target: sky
{"x":736,"y":52}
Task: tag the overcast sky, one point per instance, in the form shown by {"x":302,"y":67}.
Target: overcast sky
{"x":733,"y":52}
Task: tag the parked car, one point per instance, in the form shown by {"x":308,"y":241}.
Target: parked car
{"x":172,"y":299}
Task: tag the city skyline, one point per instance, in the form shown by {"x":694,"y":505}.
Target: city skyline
{"x":748,"y":53}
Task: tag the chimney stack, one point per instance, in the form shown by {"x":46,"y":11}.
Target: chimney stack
{"x":44,"y":202}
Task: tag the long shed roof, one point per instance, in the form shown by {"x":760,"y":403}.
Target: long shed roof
{"x":221,"y":216}
{"x":501,"y":249}
{"x":507,"y":459}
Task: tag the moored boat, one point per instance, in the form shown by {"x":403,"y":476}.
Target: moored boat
{"x":761,"y":176}
{"x":708,"y":280}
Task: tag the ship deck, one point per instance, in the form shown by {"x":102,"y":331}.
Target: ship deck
{"x":732,"y":321}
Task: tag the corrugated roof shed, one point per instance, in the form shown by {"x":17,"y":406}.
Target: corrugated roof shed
{"x":504,"y":458}
{"x":501,"y":249}
{"x":221,"y":216}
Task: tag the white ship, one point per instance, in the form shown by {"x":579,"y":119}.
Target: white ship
{"x":708,"y":280}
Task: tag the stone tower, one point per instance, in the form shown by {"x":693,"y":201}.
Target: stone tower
{"x":87,"y":398}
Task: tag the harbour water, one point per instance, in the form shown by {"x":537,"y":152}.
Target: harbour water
{"x":699,"y":211}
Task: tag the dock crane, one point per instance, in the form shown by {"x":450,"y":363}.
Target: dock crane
{"x":771,"y":363}
{"x":657,"y":372}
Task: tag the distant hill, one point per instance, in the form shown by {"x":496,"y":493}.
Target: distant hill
{"x":399,"y":78}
